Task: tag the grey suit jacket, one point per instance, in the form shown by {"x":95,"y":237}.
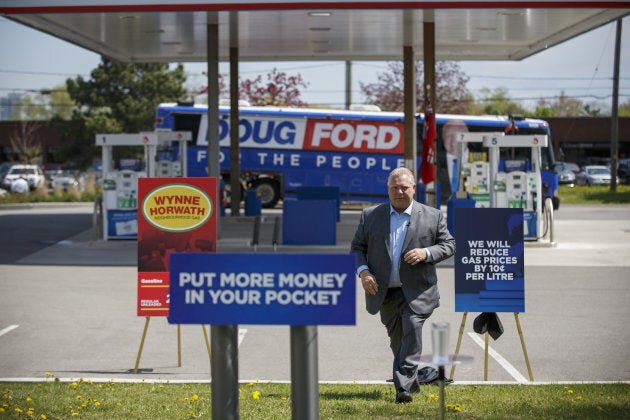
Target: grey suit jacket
{"x":371,"y":244}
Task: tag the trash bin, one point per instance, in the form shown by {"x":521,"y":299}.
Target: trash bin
{"x":465,"y":201}
{"x":253,"y":203}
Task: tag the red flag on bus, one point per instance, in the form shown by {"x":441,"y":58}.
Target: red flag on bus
{"x":428,"y":136}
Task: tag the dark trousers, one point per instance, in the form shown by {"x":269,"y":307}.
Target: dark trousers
{"x":404,"y":328}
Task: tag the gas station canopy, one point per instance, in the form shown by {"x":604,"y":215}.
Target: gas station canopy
{"x":176,"y":31}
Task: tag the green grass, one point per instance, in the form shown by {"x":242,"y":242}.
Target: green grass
{"x":594,"y":195}
{"x":43,"y":196}
{"x":87,"y":400}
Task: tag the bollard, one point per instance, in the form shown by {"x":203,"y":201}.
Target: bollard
{"x":256,"y":236}
{"x":276,"y":233}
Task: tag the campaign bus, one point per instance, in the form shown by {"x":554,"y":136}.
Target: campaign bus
{"x":282,"y":149}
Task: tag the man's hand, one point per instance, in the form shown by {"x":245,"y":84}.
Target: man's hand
{"x":368,"y":281}
{"x":415,"y":256}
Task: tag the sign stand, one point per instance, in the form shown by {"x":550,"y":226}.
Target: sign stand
{"x":485,"y":364}
{"x":179,"y":344}
{"x":164,"y":230}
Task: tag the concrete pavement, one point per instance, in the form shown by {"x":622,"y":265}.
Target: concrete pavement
{"x":70,"y":309}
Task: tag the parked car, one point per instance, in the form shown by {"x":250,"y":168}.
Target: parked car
{"x":623,"y":171}
{"x":566,"y":172}
{"x":32,"y":173}
{"x":594,"y":175}
{"x":571,"y":166}
{"x":63,"y":180}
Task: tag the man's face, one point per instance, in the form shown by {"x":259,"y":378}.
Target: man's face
{"x":401,"y":191}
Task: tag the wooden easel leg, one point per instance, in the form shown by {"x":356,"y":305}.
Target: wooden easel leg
{"x":205,"y":336}
{"x":144,"y":335}
{"x":520,"y":334}
{"x":459,"y":341}
{"x":485,"y":358}
{"x":179,"y":345}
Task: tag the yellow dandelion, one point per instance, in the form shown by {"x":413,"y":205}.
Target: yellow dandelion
{"x":283,"y":398}
{"x":2,"y":410}
{"x":256,"y":395}
{"x":250,"y":384}
{"x":29,"y":399}
{"x":29,"y":413}
{"x":97,"y":403}
{"x":570,"y":391}
{"x":194,"y":398}
{"x":579,"y":397}
{"x":191,"y":414}
{"x":74,"y":385}
{"x":49,"y":374}
{"x":18,"y":410}
{"x":74,"y":414}
{"x":78,"y":397}
{"x":43,"y":417}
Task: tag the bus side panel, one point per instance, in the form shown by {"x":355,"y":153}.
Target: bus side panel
{"x":362,"y":176}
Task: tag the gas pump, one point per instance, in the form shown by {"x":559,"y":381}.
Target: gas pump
{"x":501,"y":184}
{"x":120,"y":186}
{"x":523,"y":187}
{"x":474,"y":177}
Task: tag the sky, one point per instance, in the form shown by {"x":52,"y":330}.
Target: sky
{"x":31,"y":60}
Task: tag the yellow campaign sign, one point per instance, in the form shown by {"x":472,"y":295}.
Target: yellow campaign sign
{"x":177,"y":207}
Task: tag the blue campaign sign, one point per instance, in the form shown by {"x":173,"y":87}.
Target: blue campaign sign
{"x":489,"y":263}
{"x":280,"y":289}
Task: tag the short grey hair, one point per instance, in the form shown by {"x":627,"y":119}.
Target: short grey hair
{"x":399,"y":172}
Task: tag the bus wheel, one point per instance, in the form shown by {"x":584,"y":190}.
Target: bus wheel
{"x":269,"y":191}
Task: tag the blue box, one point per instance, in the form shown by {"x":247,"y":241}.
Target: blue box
{"x":320,"y":193}
{"x":456,"y":203}
{"x":253,"y":203}
{"x":309,"y":222}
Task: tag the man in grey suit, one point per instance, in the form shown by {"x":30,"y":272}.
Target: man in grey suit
{"x":397,"y":245}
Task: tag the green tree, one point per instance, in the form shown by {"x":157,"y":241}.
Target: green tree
{"x":42,"y":105}
{"x":624,"y":109}
{"x":452,"y":95}
{"x":565,"y":106}
{"x":497,"y":102}
{"x":119,"y":97}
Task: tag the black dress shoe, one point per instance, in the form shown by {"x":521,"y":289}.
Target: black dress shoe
{"x":403,"y":397}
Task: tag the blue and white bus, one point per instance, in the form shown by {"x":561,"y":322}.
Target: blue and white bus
{"x":282,"y":149}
